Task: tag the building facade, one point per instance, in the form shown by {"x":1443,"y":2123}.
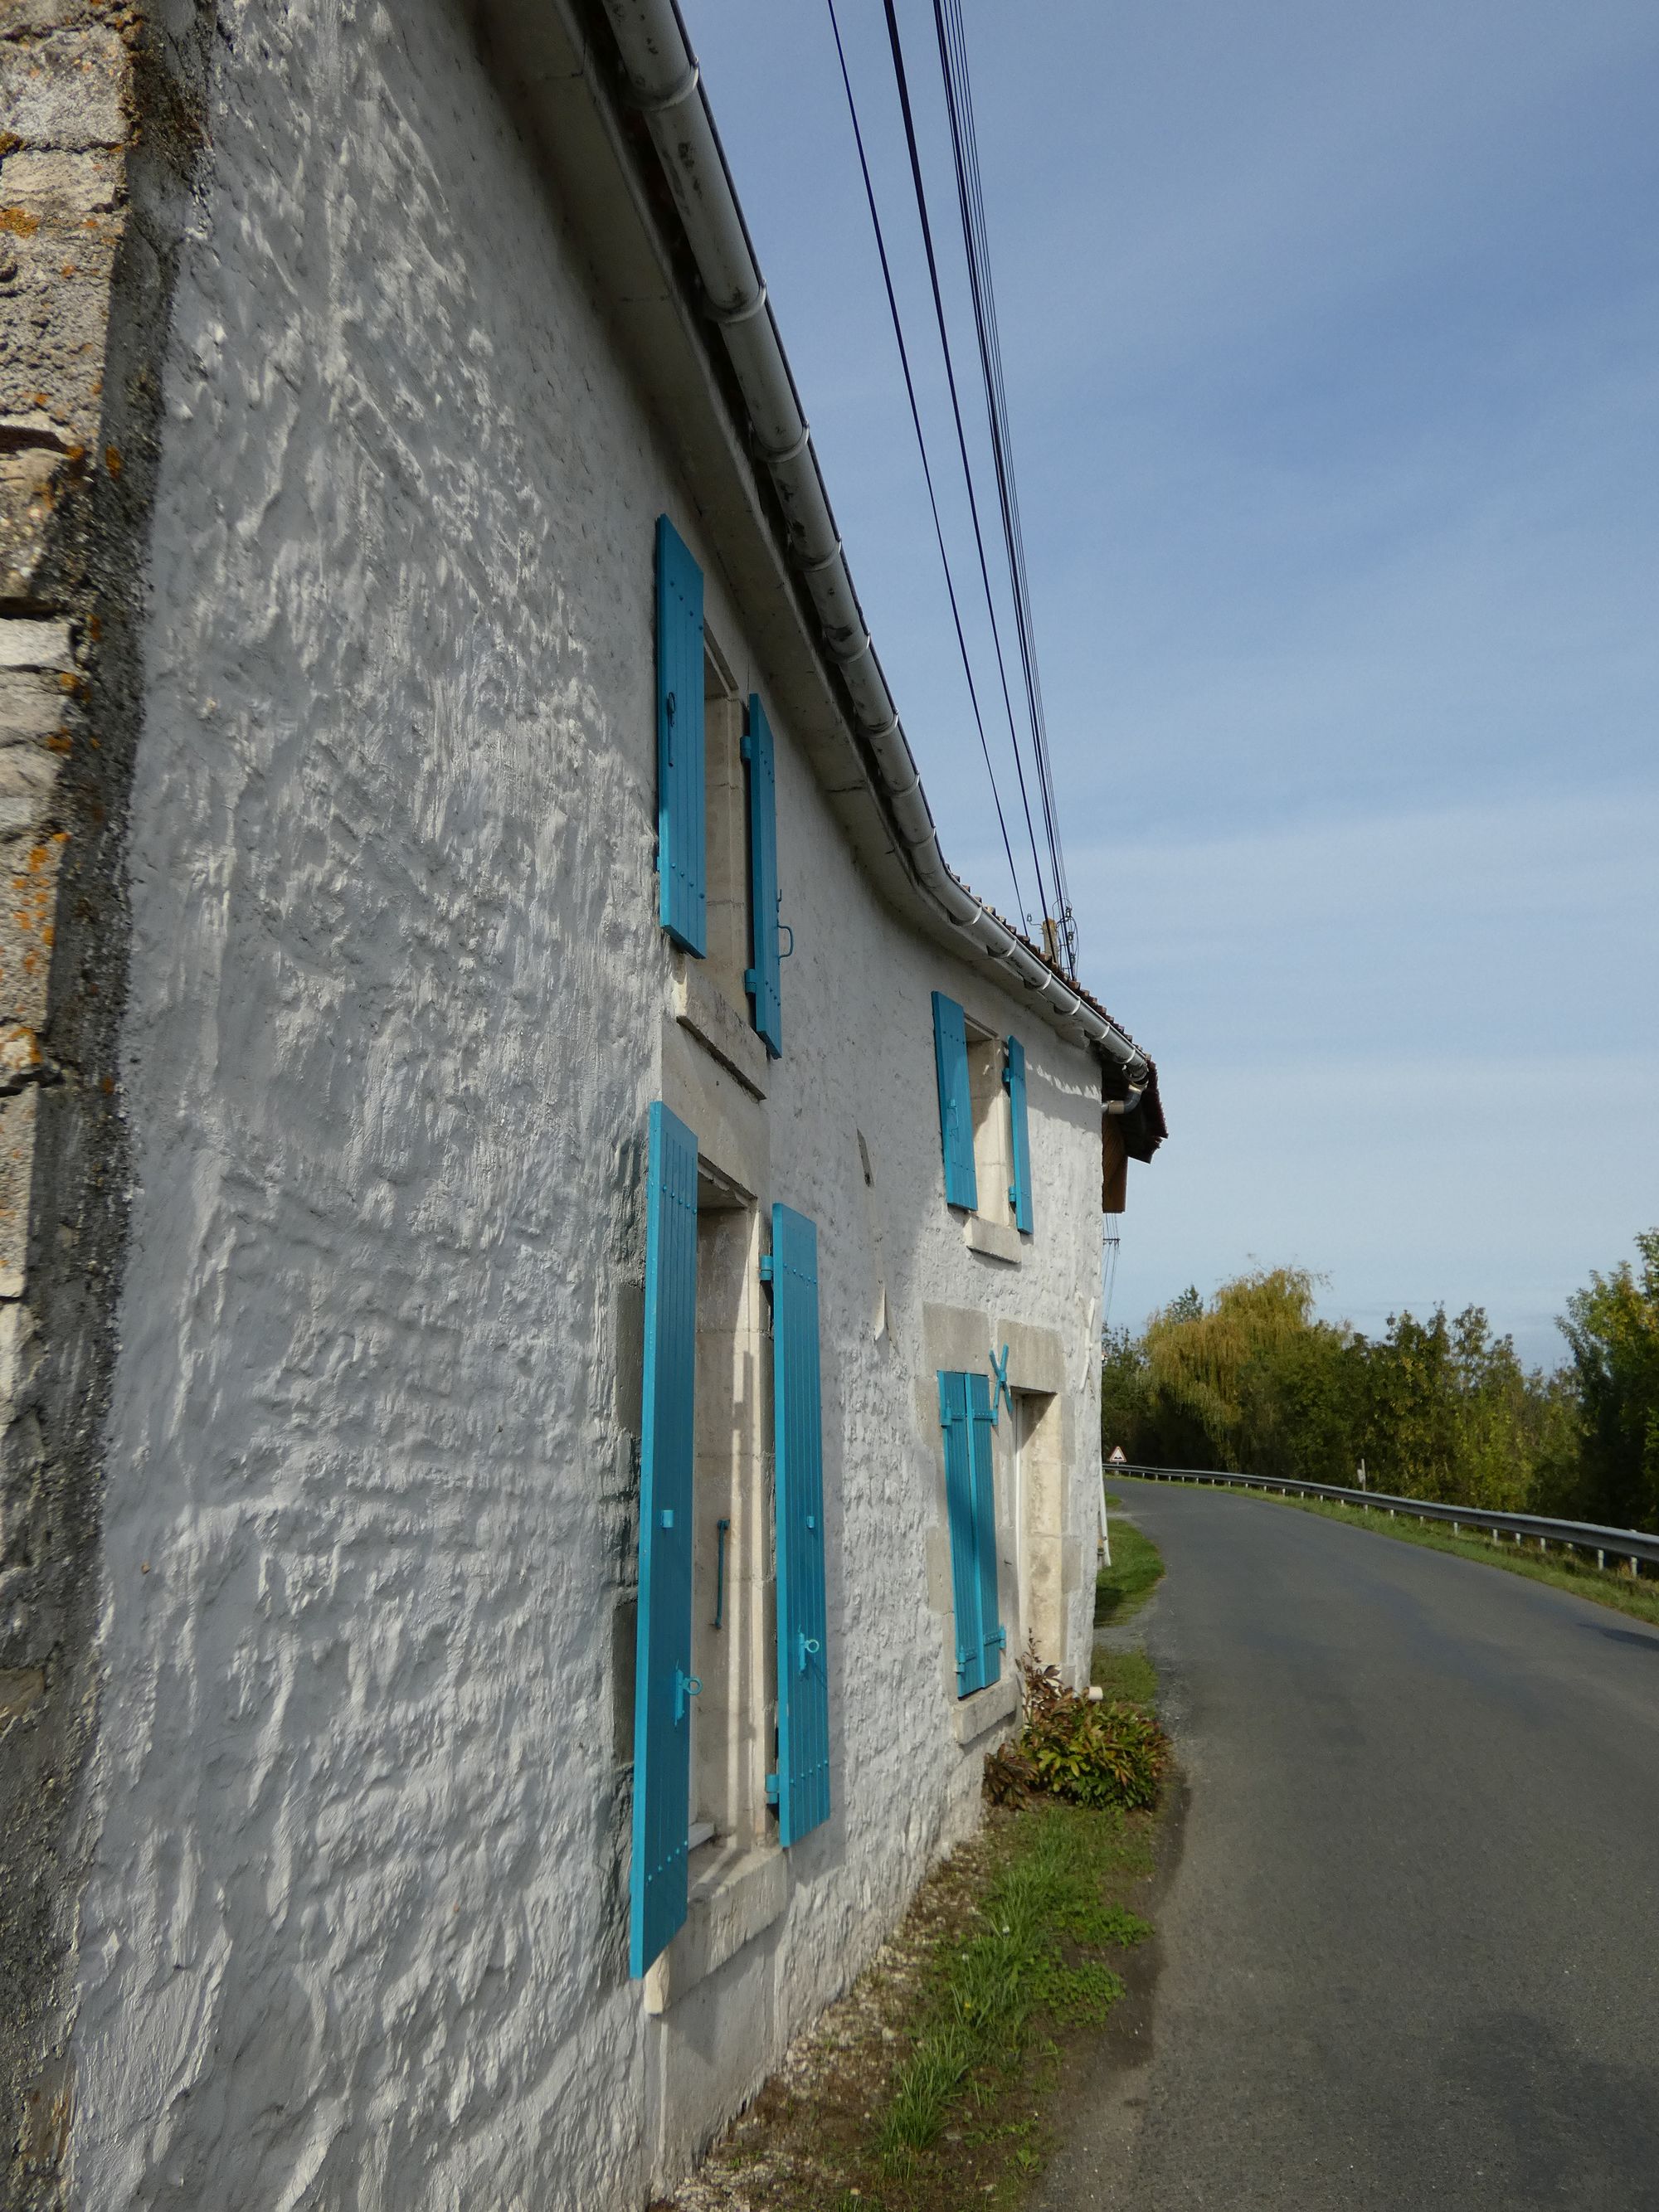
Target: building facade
{"x":552,"y":1250}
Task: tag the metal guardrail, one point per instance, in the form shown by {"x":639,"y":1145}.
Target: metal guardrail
{"x":1632,"y":1544}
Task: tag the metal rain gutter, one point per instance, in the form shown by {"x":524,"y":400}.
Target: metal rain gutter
{"x":662,"y":74}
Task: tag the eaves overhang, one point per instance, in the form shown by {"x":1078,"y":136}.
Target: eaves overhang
{"x":592,"y":78}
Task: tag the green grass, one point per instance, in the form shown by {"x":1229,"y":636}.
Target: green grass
{"x":933,"y":2084}
{"x":1042,"y":1923}
{"x":1129,"y":1676}
{"x":1136,"y":1571}
{"x":1620,"y":1593}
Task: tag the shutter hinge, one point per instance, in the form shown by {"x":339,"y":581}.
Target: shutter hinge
{"x":747,"y":747}
{"x":772,"y":1791}
{"x":767,"y":1275}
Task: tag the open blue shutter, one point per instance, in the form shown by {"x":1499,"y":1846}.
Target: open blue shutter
{"x":1019,"y":1191}
{"x":955,"y":1112}
{"x":992,"y":1634}
{"x":663,"y":1680}
{"x":762,"y":980}
{"x":965,"y":1585}
{"x":803,"y":1660}
{"x":680,"y":867}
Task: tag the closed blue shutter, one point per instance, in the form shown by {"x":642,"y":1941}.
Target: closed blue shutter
{"x":992,"y":1634}
{"x":1019,"y":1191}
{"x":762,"y":980}
{"x":955,"y":1112}
{"x":959,"y":1508}
{"x":680,"y":867}
{"x":803,"y":1660}
{"x":663,"y":1682}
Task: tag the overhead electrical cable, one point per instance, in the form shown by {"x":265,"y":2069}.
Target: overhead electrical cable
{"x":926,"y":470}
{"x":959,"y":94}
{"x":951,"y":34}
{"x":962,"y":436}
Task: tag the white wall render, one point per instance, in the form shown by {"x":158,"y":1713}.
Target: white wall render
{"x":354,"y":1933}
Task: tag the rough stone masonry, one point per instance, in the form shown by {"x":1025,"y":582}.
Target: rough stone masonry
{"x":90,"y":208}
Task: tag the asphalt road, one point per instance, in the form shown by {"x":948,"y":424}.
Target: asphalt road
{"x":1408,"y":1946}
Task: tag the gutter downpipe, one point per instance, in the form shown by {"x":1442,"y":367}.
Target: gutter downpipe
{"x":667,"y":91}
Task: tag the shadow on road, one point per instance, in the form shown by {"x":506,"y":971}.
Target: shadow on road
{"x":1626,"y":1635}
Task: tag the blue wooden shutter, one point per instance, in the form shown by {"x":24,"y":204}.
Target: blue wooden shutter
{"x":956,"y":1111}
{"x":1019,"y":1191}
{"x":763,"y":980}
{"x":803,"y":1660}
{"x":680,"y":866}
{"x":959,"y":1507}
{"x":992,"y":1634}
{"x":663,"y":1681}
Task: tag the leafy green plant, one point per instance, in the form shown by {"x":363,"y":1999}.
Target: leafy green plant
{"x":1109,"y":1754}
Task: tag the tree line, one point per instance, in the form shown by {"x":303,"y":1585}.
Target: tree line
{"x":1253,"y":1381}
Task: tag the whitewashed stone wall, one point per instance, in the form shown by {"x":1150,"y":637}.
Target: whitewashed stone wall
{"x":354,"y":1932}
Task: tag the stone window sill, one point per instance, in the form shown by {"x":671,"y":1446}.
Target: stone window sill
{"x":735,"y":1894}
{"x":972,"y":1717}
{"x":703,"y":1008}
{"x":995,"y":1240}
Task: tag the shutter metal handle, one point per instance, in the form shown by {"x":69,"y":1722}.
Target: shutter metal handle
{"x":807,"y":1644}
{"x":785,"y":931}
{"x":719,"y":1571}
{"x":685,"y":1686}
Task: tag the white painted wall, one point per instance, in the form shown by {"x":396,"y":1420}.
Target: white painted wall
{"x":355,"y":1930}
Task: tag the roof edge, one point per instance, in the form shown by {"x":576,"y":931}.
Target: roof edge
{"x":661,"y":72}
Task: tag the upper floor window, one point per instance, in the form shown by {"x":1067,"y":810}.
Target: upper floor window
{"x":984,"y":1122}
{"x":716,"y":801}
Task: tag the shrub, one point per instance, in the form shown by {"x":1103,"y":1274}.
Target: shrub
{"x":1089,"y":1755}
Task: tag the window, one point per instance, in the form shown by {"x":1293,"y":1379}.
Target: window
{"x":993,"y":1167}
{"x":729,"y":1538}
{"x":984,"y":1125}
{"x":717,"y":860}
{"x":965,"y":1416}
{"x":731,"y":1698}
{"x":727,"y":935}
{"x":1036,"y":1536}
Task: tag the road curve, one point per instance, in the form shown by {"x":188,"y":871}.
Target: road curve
{"x":1409,"y":1952}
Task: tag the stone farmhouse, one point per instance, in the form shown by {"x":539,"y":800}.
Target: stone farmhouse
{"x":548,"y":1246}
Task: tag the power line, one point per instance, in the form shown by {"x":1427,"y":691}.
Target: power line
{"x":962,"y":439}
{"x":951,"y":33}
{"x":932,"y":500}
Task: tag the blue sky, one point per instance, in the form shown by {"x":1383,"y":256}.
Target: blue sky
{"x":1332,"y":341}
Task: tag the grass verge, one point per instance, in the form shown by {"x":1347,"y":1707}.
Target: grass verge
{"x":1126,"y":1677}
{"x":1123,"y":1588}
{"x":928,"y":2087}
{"x":1040,"y":1953}
{"x":1620,"y":1593}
